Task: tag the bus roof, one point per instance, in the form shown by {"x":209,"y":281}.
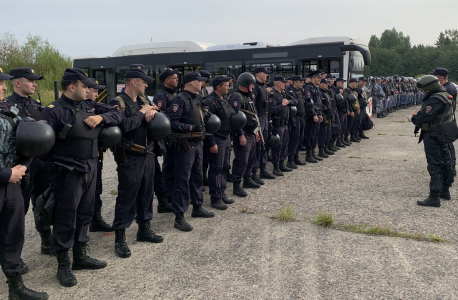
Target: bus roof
{"x":165,"y":47}
{"x":330,"y":39}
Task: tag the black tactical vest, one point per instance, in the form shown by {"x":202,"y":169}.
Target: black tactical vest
{"x":81,"y":141}
{"x":137,"y":135}
{"x":262,"y":105}
{"x":300,"y":102}
{"x":247,"y":107}
{"x":195,"y":116}
{"x":225,"y":114}
{"x":32,"y":111}
{"x":445,"y":117}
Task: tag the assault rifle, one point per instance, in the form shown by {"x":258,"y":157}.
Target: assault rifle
{"x":133,"y":147}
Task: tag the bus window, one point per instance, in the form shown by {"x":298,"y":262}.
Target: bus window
{"x":224,"y":68}
{"x":356,"y":65}
{"x":99,"y":75}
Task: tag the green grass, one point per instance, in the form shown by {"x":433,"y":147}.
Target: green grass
{"x":399,"y":121}
{"x":382,"y":134}
{"x":359,"y":157}
{"x":324,"y":219}
{"x":244,"y":209}
{"x":114,"y":192}
{"x":405,"y":160}
{"x":286,"y":214}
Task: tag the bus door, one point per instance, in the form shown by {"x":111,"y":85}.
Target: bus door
{"x":105,"y":77}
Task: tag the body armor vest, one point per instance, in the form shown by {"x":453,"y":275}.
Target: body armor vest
{"x":262,"y":106}
{"x":195,"y":116}
{"x":137,"y":135}
{"x":300,"y":102}
{"x":225,"y":114}
{"x":247,"y":107}
{"x":32,"y":111}
{"x":8,"y":156}
{"x":445,"y":117}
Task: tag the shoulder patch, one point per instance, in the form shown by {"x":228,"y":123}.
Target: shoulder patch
{"x":206,"y":108}
{"x":428,"y":109}
{"x":175,"y":107}
{"x":309,"y":94}
{"x":50,"y":105}
{"x":159,"y":103}
{"x":235,"y":103}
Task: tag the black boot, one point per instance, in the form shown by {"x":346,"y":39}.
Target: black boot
{"x":25,"y":269}
{"x":248,"y":183}
{"x":199,"y":212}
{"x":445,"y":193}
{"x":256,"y":179}
{"x":145,"y":234}
{"x":64,"y":273}
{"x":163,"y":205}
{"x":284,"y":168}
{"x":346,"y":141}
{"x":303,"y":148}
{"x":361,"y":135}
{"x":290,"y":164}
{"x":181,"y":224}
{"x":328,"y":151}
{"x":432,"y":200}
{"x":205,"y":179}
{"x":380,"y":116}
{"x":219,"y":205}
{"x":340,"y":144}
{"x":354,"y":139}
{"x":357,"y":136}
{"x":17,"y":290}
{"x":98,"y":224}
{"x":322,"y":154}
{"x":227,"y":200}
{"x":264,"y":174}
{"x":46,"y":241}
{"x":82,"y":261}
{"x":333,"y":147}
{"x":318,"y":158}
{"x":121,"y":248}
{"x":229,"y":176}
{"x":297,"y":161}
{"x":238,"y":190}
{"x":277,"y":170}
{"x":309,"y":157}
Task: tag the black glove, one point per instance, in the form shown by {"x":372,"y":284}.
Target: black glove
{"x":197,"y":128}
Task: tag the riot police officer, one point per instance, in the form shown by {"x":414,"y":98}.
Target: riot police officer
{"x":219,"y":143}
{"x":324,"y":137}
{"x":245,"y":139}
{"x":351,"y":96}
{"x":296,"y":136}
{"x":335,"y":143}
{"x":73,"y":160}
{"x":343,"y":108}
{"x":438,"y":128}
{"x":314,"y":116}
{"x":188,"y":122}
{"x":360,"y":89}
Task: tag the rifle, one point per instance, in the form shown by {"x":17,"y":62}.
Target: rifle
{"x":133,"y":147}
{"x":258,"y":128}
{"x":184,"y":139}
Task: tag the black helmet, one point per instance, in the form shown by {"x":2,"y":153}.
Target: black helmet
{"x":238,"y":121}
{"x":293,"y":111}
{"x":34,"y":138}
{"x":395,"y":76}
{"x":273,"y":141}
{"x":373,"y":79}
{"x":428,"y":83}
{"x":309,"y":106}
{"x":352,"y":99}
{"x":339,"y":99}
{"x":213,"y":124}
{"x":158,"y":128}
{"x":109,"y":137}
{"x":245,"y":79}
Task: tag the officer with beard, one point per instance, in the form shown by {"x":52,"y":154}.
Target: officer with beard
{"x":354,"y":109}
{"x":360,"y":89}
{"x":335,"y":143}
{"x":325,"y":126}
{"x":296,"y":136}
{"x":314,"y":117}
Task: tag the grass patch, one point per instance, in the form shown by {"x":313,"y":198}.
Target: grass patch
{"x":404,"y":159}
{"x":324,"y":219}
{"x":382,"y":134}
{"x":244,"y":210}
{"x":355,"y":157}
{"x":286,"y":214}
{"x":399,"y":121}
{"x":114,"y":192}
{"x":359,"y":170}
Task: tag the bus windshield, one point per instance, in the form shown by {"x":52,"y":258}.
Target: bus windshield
{"x":356,"y":65}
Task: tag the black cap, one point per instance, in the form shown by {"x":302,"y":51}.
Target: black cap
{"x":315,"y":73}
{"x":340,"y":79}
{"x":96,"y":84}
{"x":25,"y":73}
{"x":323,"y":80}
{"x":261,"y":70}
{"x":384,"y":79}
{"x":353,"y":80}
{"x":74,"y":74}
{"x":138,"y":73}
{"x":219,"y":79}
{"x":330,"y":76}
{"x":4,"y":76}
{"x":362,"y":79}
{"x":232,"y":76}
{"x":207,"y":75}
{"x":297,"y":78}
{"x":280,"y":78}
{"x":307,"y":76}
{"x":137,"y":66}
{"x":321,"y":71}
{"x":436,"y":71}
{"x":191,"y":76}
{"x":166,"y":73}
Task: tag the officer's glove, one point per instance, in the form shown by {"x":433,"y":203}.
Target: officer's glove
{"x":197,"y":128}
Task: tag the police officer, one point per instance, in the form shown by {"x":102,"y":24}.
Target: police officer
{"x":436,"y":115}
{"x":73,"y":159}
{"x":280,"y":108}
{"x":324,"y":137}
{"x":297,"y":124}
{"x":378,"y":95}
{"x":335,"y":143}
{"x":231,"y":84}
{"x":206,"y":76}
{"x":361,"y":90}
{"x":135,"y":166}
{"x":354,"y":109}
{"x":187,"y":117}
{"x":220,"y":142}
{"x":97,"y":222}
{"x":343,"y":111}
{"x":12,"y":223}
{"x":245,"y":139}
{"x":314,"y":116}
{"x":261,"y":100}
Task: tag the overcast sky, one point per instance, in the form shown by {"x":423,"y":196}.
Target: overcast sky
{"x":101,"y":27}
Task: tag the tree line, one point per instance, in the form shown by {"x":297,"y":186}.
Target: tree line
{"x":393,"y":53}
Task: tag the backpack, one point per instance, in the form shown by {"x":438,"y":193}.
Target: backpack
{"x":366,"y":123}
{"x":44,"y":209}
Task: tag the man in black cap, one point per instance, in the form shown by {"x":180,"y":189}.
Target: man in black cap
{"x":73,"y":160}
{"x":219,"y":143}
{"x":360,"y":89}
{"x":354,"y":109}
{"x":206,"y":76}
{"x":261,"y":93}
{"x":36,"y":181}
{"x":203,"y":93}
{"x":188,"y":122}
{"x":296,"y":136}
{"x":12,"y":222}
{"x":314,"y":116}
{"x":324,"y":137}
{"x":97,"y":222}
{"x":163,"y":179}
{"x":280,"y":108}
{"x":135,"y":165}
{"x":335,"y":143}
{"x":232,"y":87}
{"x":343,"y":109}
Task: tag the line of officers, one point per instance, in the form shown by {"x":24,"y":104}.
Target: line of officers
{"x":290,"y":117}
{"x":389,"y":94}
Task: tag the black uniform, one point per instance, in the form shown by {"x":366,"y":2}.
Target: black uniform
{"x":325,"y":126}
{"x":261,"y":102}
{"x":312,"y":128}
{"x":74,"y":165}
{"x":353,"y":108}
{"x":363,"y":104}
{"x":280,"y":119}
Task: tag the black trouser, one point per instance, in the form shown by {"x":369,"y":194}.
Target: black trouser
{"x":362,"y":115}
{"x":11,"y":228}
{"x":38,"y":182}
{"x":261,"y":152}
{"x":218,"y":167}
{"x":296,"y":136}
{"x":135,"y":190}
{"x":343,"y":123}
{"x":159,"y":188}
{"x":349,"y":124}
{"x":98,"y":186}
{"x":74,"y":194}
{"x":244,"y":157}
{"x":438,"y":159}
{"x":324,"y":135}
{"x":312,"y":130}
{"x":356,"y":123}
{"x":279,"y":152}
{"x":188,"y":177}
{"x":336,"y":120}
{"x":168,"y":173}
